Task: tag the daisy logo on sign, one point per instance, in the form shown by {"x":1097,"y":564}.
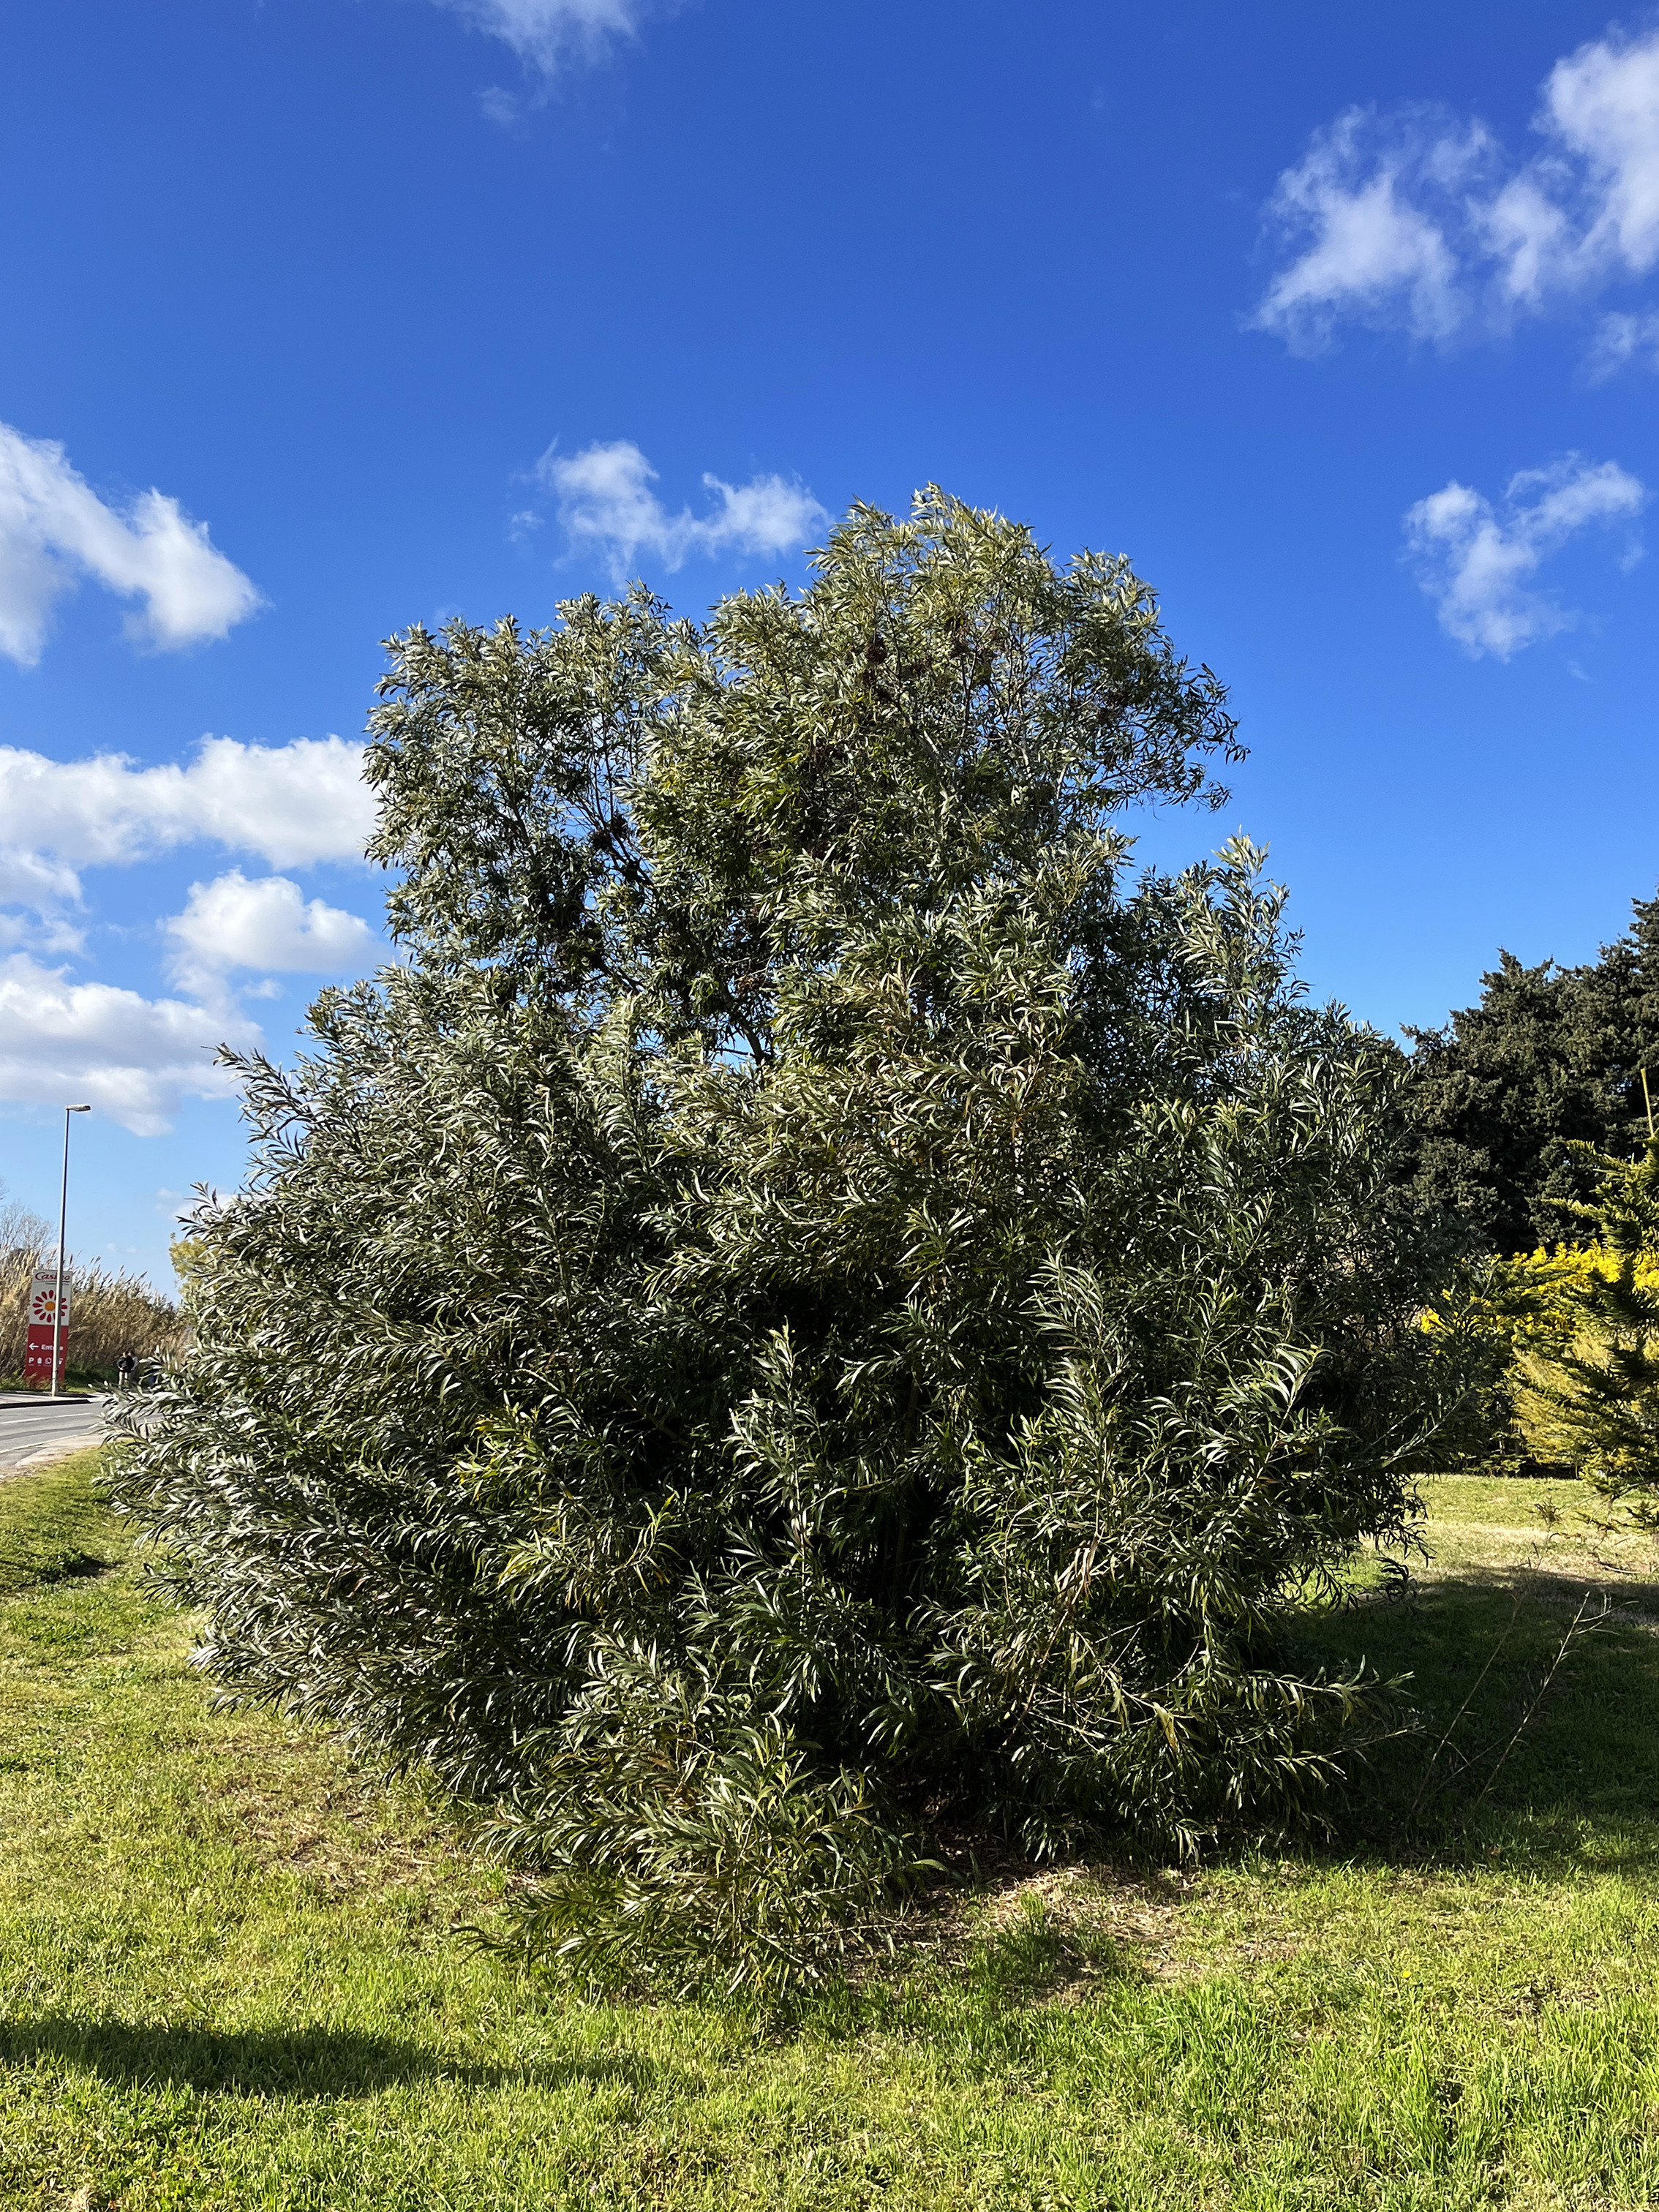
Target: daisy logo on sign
{"x":44,"y":1323}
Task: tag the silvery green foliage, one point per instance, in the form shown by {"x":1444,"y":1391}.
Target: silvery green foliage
{"x":808,"y":1311}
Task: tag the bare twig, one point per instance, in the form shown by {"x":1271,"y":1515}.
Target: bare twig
{"x":1456,"y":1718}
{"x":1577,"y":1625}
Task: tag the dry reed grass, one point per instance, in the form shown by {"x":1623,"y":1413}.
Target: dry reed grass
{"x":110,"y":1311}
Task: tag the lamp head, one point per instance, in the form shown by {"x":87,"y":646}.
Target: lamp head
{"x":78,"y":1110}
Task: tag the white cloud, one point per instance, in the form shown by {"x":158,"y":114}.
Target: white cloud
{"x":267,"y":923}
{"x":292,"y":805}
{"x":132,"y":1058}
{"x":55,"y":529}
{"x":1417,"y":222}
{"x":546,"y":34}
{"x":1621,"y":340}
{"x":605,"y":497}
{"x":1361,"y":203}
{"x":45,"y":929}
{"x":1476,"y":560}
{"x":1602,"y":105}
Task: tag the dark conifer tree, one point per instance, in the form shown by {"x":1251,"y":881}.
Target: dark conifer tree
{"x":1550,"y":1058}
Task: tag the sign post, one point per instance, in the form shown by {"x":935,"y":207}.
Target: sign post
{"x":48,"y":1331}
{"x":60,"y":1303}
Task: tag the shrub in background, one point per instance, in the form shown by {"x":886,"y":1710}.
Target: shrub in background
{"x":1587,"y":1355}
{"x":809,"y":1312}
{"x":1560,"y":1345}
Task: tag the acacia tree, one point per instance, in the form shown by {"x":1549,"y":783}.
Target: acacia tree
{"x":1587,"y":1381}
{"x":807,"y":1310}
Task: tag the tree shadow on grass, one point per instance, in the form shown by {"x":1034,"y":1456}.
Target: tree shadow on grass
{"x":1533,"y":1692}
{"x":302,"y":2062}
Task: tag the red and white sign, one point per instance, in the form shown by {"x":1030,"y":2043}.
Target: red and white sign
{"x":43,"y":1297}
{"x":43,"y":1310}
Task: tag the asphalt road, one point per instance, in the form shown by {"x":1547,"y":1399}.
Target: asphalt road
{"x":25,"y":1429}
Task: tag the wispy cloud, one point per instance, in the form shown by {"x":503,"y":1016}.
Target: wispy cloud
{"x":1477,"y":559}
{"x":1419,"y":222}
{"x":1621,"y":340}
{"x":606,"y":500}
{"x":1365,"y":204}
{"x":548,"y":36}
{"x":54,"y":530}
{"x":545,"y":33}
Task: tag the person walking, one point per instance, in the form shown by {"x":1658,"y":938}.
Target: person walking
{"x":126,"y":1371}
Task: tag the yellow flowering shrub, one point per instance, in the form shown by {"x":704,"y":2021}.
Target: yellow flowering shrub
{"x":1529,"y":1320}
{"x":1565,"y":1344}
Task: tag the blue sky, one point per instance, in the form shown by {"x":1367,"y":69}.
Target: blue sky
{"x":326,"y":316}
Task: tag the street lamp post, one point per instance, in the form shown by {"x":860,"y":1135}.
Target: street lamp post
{"x":63,"y":1228}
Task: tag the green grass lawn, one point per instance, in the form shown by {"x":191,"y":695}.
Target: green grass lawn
{"x":235,"y":1969}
